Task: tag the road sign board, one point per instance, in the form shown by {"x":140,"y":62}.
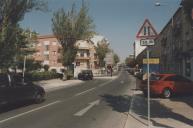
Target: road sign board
{"x":146,"y":31}
{"x":147,"y":42}
{"x":151,"y":61}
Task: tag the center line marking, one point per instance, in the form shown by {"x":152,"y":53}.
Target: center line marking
{"x":78,"y":94}
{"x":25,"y":113}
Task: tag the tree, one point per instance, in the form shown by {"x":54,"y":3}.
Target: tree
{"x":130,"y":62}
{"x":116,"y":58}
{"x":70,"y":26}
{"x":26,"y":40}
{"x":101,"y":50}
{"x":11,"y":12}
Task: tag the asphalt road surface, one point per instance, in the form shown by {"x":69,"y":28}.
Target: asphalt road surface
{"x":95,"y":104}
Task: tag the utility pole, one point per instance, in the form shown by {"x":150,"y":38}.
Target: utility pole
{"x":24,"y":65}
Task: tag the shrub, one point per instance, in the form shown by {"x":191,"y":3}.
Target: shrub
{"x":46,"y":67}
{"x":35,"y":76}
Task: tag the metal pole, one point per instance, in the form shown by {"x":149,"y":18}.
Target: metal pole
{"x":24,"y":64}
{"x":148,"y":90}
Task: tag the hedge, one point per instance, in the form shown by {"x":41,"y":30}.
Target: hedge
{"x":36,"y":76}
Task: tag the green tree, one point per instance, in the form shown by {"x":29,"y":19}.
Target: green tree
{"x":101,"y":50}
{"x":11,"y":12}
{"x":70,"y":26}
{"x":26,"y":40}
{"x":116,"y":58}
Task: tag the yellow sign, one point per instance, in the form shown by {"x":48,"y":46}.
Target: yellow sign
{"x":151,"y":61}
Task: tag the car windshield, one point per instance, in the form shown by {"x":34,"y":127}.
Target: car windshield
{"x":155,"y":77}
{"x":96,"y":63}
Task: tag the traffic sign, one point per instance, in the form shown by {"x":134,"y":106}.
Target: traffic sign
{"x":146,"y":31}
{"x":147,"y":42}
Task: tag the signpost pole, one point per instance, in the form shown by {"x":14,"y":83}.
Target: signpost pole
{"x":148,"y":42}
{"x":148,"y":90}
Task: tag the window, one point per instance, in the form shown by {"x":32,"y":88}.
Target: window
{"x":177,"y":78}
{"x":187,"y":67}
{"x":148,"y":29}
{"x":81,"y":53}
{"x":17,"y":80}
{"x":59,"y":60}
{"x":46,"y":47}
{"x":155,"y":77}
{"x":170,"y":78}
{"x":77,"y":63}
{"x":46,"y":57}
{"x":54,"y":52}
{"x":144,"y":30}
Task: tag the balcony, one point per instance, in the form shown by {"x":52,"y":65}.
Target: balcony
{"x":46,"y":52}
{"x":82,"y":57}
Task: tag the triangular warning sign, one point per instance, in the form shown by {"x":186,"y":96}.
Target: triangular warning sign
{"x":147,"y":31}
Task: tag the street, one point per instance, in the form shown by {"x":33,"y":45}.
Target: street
{"x":98,"y":104}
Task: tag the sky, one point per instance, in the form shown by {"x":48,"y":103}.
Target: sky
{"x":117,"y":20}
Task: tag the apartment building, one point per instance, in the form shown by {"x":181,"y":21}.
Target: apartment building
{"x":86,"y":57}
{"x":48,"y":52}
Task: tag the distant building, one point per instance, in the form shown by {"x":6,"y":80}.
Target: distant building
{"x":48,"y":52}
{"x":86,"y":57}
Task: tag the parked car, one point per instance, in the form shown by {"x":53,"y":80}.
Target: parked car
{"x":85,"y":75}
{"x":167,"y":85}
{"x":14,"y":90}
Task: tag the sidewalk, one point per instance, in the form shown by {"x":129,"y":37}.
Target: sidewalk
{"x":55,"y":84}
{"x":165,"y":113}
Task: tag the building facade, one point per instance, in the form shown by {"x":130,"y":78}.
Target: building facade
{"x":48,"y":52}
{"x":175,"y":42}
{"x":86,"y":57}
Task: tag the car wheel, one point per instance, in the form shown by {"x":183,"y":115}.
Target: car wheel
{"x":167,"y":93}
{"x":39,"y":98}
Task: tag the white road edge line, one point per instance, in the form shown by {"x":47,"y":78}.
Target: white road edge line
{"x":25,"y":113}
{"x":78,"y":94}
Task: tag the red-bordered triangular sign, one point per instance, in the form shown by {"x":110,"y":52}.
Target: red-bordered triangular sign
{"x":147,"y":31}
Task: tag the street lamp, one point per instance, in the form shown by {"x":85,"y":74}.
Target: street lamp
{"x":157,"y":4}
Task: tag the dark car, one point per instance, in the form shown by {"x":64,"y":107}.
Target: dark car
{"x":14,"y":90}
{"x":85,"y":75}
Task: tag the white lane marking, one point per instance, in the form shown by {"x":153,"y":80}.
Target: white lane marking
{"x":105,"y":83}
{"x":25,"y":113}
{"x":83,"y":111}
{"x":78,"y":94}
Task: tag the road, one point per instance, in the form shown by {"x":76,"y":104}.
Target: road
{"x":95,"y":104}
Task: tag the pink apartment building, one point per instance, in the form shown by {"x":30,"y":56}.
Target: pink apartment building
{"x":48,"y":52}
